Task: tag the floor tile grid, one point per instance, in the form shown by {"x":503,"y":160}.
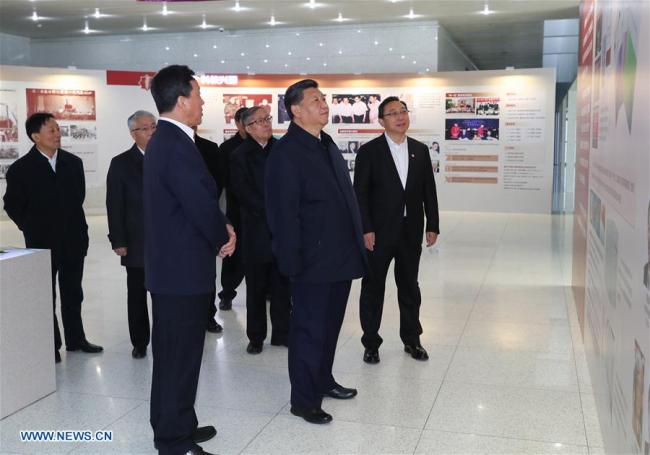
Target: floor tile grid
{"x":422,"y":432}
{"x":499,"y":243}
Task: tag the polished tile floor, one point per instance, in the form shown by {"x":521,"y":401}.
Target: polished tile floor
{"x":506,"y":374}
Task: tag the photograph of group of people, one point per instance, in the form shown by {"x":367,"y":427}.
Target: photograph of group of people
{"x":487,"y":106}
{"x":355,"y":108}
{"x":233,"y":102}
{"x":63,"y":104}
{"x":472,"y":129}
{"x":459,"y":104}
{"x":471,"y":103}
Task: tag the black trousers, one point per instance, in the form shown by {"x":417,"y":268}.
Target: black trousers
{"x":137,"y":307}
{"x":359,"y":118}
{"x":261,"y":277}
{"x":179,"y":324}
{"x":70,"y":273}
{"x":371,"y":302}
{"x":316,"y":318}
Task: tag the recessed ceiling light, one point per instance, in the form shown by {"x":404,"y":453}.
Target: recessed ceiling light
{"x":267,"y":45}
{"x":340,"y":51}
{"x":297,"y":33}
{"x":289,"y":53}
{"x":403,"y":57}
{"x":237,"y":8}
{"x":324,"y":63}
{"x":376,"y":43}
{"x":204,"y":25}
{"x":427,"y":70}
{"x":415,"y":62}
{"x":340,"y":18}
{"x":308,"y":58}
{"x":266,"y":60}
{"x":145,"y":27}
{"x":214,"y":46}
{"x":164,"y":10}
{"x":248,"y":67}
{"x":486,"y":10}
{"x":86,"y":29}
{"x":321,"y":44}
{"x":390,"y":49}
{"x":359,"y":30}
{"x":223,"y":61}
{"x":243,"y":54}
{"x":196,"y":55}
{"x":412,"y":15}
{"x":286,"y":65}
{"x":272,"y":22}
{"x":35,"y":17}
{"x":97,"y":14}
{"x":166,"y":48}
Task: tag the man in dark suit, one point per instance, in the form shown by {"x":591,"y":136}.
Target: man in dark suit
{"x":184,"y":231}
{"x":232,"y":267}
{"x":247,"y":183}
{"x":317,"y":240}
{"x":125,"y":228}
{"x":44,"y":197}
{"x":212,"y":158}
{"x":393,"y":179}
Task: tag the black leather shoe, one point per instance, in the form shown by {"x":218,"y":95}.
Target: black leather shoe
{"x":416,"y":351}
{"x":139,"y":352}
{"x":85,"y":346}
{"x":317,"y":415}
{"x":341,"y":393}
{"x":57,"y":356}
{"x":197,"y":451}
{"x":214,"y":327}
{"x":254,"y":348}
{"x":225,"y":304}
{"x":371,"y":355}
{"x":202,"y":434}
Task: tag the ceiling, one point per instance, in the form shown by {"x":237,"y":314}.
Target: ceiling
{"x":510,"y":36}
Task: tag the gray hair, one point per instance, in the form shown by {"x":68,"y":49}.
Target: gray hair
{"x":136,"y":115}
{"x":249,"y":113}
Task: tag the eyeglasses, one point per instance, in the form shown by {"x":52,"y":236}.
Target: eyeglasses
{"x":261,"y":121}
{"x":145,"y":129}
{"x":396,"y":113}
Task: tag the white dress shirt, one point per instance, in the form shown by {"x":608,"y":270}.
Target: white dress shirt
{"x":52,"y":160}
{"x":400,"y":154}
{"x":186,"y":129}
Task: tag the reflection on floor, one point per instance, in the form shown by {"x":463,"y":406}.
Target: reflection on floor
{"x":506,"y":374}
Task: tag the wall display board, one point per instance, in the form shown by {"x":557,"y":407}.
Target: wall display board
{"x":614,"y":215}
{"x":490,"y":133}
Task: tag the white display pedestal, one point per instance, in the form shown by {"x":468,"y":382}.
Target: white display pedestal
{"x":26,"y":329}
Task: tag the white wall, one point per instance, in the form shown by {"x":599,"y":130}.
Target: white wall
{"x":450,"y":56}
{"x":14,"y":50}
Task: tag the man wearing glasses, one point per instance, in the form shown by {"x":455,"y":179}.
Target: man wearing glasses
{"x":395,"y":188}
{"x":247,"y":168}
{"x":125,"y":225}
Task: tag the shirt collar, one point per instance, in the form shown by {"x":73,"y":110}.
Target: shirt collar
{"x":53,"y":159}
{"x":392,"y":143}
{"x":186,"y":129}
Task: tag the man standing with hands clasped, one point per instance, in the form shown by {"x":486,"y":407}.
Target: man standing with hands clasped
{"x":317,"y":240}
{"x":184,"y":232}
{"x":395,"y":187}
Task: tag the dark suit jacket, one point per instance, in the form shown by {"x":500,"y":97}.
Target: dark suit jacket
{"x":184,"y":227}
{"x":382,"y":197}
{"x":124,"y":206}
{"x":232,"y":204}
{"x":312,"y":211}
{"x":212,"y":157}
{"x":247,"y":167}
{"x":47,"y":206}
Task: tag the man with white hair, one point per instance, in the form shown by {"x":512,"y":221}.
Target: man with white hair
{"x":125,"y":224}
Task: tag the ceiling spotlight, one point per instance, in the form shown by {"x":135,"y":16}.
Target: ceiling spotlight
{"x":289,"y":53}
{"x":390,"y":49}
{"x":237,"y":8}
{"x":166,"y":48}
{"x":204,"y":24}
{"x":97,"y":14}
{"x":321,"y":44}
{"x":86,"y":29}
{"x":297,"y":33}
{"x":248,"y":67}
{"x":376,"y":43}
{"x":243,"y":54}
{"x":412,"y":15}
{"x":308,"y":58}
{"x":214,"y":46}
{"x":340,"y":18}
{"x":286,"y":65}
{"x":144,"y":27}
{"x":35,"y":17}
{"x":196,"y":55}
{"x":272,"y":22}
{"x":223,"y":61}
{"x":312,"y":4}
{"x":324,"y":63}
{"x":340,"y":51}
{"x":164,"y":11}
{"x":267,"y":45}
{"x":428,"y":69}
{"x":403,"y":57}
{"x":415,"y":62}
{"x":486,"y":10}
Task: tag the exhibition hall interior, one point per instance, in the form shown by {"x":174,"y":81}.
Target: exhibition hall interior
{"x":516,"y":133}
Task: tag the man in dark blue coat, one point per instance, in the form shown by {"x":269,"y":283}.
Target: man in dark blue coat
{"x":318,"y":242}
{"x":125,"y":225}
{"x":45,"y":194}
{"x":247,"y":183}
{"x":184,"y":232}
